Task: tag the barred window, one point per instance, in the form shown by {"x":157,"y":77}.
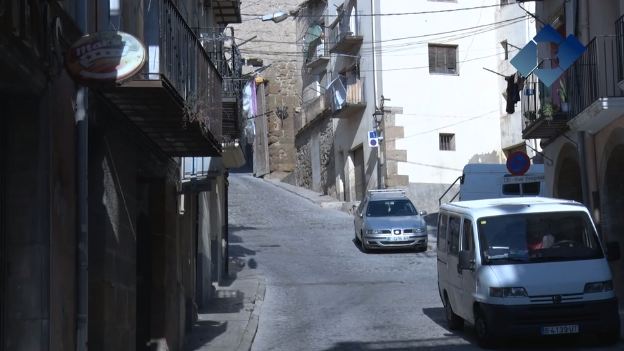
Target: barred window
{"x":443,"y":59}
{"x":447,"y":142}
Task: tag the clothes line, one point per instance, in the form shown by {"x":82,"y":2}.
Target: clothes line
{"x":500,"y":74}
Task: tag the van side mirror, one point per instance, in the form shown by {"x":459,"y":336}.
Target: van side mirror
{"x":422,"y":212}
{"x":613,"y":251}
{"x":466,"y":261}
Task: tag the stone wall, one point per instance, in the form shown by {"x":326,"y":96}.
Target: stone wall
{"x":274,"y":54}
{"x":305,"y":145}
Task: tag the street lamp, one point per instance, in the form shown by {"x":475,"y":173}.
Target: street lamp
{"x":276,"y":17}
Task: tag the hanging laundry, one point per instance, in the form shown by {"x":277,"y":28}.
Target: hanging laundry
{"x":513,"y":93}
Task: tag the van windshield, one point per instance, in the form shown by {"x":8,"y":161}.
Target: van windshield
{"x":537,"y":237}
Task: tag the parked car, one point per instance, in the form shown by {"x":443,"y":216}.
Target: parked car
{"x":517,"y":267}
{"x":387,"y":219}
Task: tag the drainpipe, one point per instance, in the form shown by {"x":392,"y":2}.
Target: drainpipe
{"x":376,"y":125}
{"x":583,"y":30}
{"x":82,"y":240}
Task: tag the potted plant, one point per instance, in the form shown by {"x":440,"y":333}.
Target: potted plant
{"x":563,"y":96}
{"x":547,"y":111}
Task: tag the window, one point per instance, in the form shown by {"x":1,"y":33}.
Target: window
{"x":443,"y":59}
{"x":447,"y":142}
{"x":453,"y":225}
{"x":442,"y":233}
{"x":467,"y":239}
{"x":532,"y":188}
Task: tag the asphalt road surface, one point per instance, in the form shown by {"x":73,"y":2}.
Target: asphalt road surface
{"x":324,"y":293}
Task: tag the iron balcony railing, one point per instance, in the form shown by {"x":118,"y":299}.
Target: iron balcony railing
{"x":343,"y":94}
{"x":226,"y":58}
{"x":348,"y":26}
{"x":595,"y":74}
{"x":316,"y":50}
{"x":177,"y":56}
{"x":619,"y":33}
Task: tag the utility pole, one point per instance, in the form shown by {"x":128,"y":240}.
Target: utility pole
{"x":378,"y":117}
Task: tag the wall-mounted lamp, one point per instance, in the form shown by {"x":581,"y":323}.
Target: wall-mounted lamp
{"x":276,"y":17}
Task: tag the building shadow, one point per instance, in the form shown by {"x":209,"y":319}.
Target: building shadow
{"x":203,"y":333}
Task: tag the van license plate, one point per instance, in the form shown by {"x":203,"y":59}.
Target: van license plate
{"x":561,"y":329}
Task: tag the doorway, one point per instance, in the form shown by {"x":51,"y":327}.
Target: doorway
{"x":359,"y":175}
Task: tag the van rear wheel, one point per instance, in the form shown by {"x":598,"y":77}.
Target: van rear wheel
{"x":454,"y":321}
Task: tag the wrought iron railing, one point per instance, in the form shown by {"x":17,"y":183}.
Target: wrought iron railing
{"x":316,"y":50}
{"x":343,"y":93}
{"x":226,"y":58}
{"x":348,"y":26}
{"x":594,"y":74}
{"x":180,"y":59}
{"x":619,"y":33}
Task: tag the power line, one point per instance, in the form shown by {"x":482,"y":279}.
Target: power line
{"x":514,"y":20}
{"x":393,"y":13}
{"x":394,"y":47}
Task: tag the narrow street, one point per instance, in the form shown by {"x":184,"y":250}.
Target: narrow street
{"x":323,"y":293}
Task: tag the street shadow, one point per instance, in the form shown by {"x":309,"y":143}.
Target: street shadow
{"x":224,"y":301}
{"x":203,"y":333}
{"x":467,"y":333}
{"x":232,"y":229}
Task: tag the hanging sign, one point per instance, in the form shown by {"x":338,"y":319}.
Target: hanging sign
{"x":105,"y":57}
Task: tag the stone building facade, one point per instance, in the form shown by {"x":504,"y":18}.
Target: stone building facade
{"x":270,"y":56}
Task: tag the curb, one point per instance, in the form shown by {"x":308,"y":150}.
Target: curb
{"x":252,"y":326}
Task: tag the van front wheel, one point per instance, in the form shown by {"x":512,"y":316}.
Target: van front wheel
{"x":454,"y":321}
{"x":484,"y":334}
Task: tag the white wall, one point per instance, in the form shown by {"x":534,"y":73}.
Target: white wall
{"x":468,"y":104}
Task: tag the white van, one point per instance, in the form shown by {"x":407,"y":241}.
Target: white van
{"x":525,"y":266}
{"x":492,"y":180}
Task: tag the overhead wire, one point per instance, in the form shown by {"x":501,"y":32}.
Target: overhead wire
{"x":257,"y":16}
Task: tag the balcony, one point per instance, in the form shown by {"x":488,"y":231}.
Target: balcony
{"x":545,"y":113}
{"x":346,"y":96}
{"x":345,"y":33}
{"x":317,"y":54}
{"x":226,"y":11}
{"x":226,"y":56}
{"x":176,"y":99}
{"x":596,"y":100}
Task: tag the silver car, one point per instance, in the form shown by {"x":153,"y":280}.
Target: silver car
{"x":387,"y":219}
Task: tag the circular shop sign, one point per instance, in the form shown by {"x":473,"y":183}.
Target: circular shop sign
{"x":518,"y":163}
{"x":105,"y":57}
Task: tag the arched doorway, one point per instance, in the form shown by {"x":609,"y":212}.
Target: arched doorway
{"x":613,"y":204}
{"x":568,"y":176}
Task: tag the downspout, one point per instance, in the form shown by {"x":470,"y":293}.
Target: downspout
{"x":583,"y":30}
{"x":82,"y":160}
{"x":375,"y":125}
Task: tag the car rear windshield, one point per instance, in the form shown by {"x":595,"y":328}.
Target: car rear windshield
{"x":385,"y":208}
{"x":538,"y":237}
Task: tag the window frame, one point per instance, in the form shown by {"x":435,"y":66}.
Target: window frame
{"x":433,"y":68}
{"x":451,"y":142}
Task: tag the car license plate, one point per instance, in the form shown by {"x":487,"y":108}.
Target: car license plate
{"x":560,"y":329}
{"x":397,"y":238}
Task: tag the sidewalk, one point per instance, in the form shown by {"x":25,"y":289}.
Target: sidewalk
{"x":230,"y":321}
